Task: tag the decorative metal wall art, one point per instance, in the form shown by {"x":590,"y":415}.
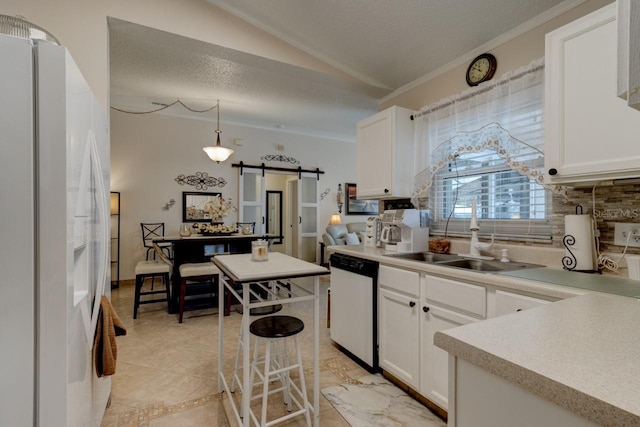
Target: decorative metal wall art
{"x":280,"y":158}
{"x":201,"y":180}
{"x":325,"y":193}
{"x":340,"y":198}
{"x":169,"y":205}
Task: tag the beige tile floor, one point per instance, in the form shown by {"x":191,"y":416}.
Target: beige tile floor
{"x":166,"y":372}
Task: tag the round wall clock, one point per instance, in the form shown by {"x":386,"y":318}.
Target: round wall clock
{"x":481,"y":69}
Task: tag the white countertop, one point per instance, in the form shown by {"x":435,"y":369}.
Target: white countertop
{"x":278,"y":266}
{"x":581,"y":353}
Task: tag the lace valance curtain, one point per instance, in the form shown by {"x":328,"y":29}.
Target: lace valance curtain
{"x":519,"y":156}
{"x":505,"y":114}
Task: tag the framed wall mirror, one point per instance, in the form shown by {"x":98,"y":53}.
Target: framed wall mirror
{"x":193,"y":206}
{"x":356,"y":206}
{"x":274,"y":214}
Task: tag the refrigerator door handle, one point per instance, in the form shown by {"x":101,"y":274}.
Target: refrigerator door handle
{"x":103,"y":211}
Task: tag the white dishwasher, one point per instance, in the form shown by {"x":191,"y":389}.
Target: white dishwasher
{"x":354,"y":307}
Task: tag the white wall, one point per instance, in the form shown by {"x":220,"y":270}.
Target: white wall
{"x":149,"y":151}
{"x":511,"y":55}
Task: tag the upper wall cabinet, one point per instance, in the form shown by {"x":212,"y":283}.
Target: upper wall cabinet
{"x":628,"y":18}
{"x":590,"y":133}
{"x":385,"y":150}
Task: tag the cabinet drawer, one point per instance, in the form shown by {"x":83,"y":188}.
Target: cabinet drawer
{"x":458,"y":295}
{"x":404,"y":281}
{"x":507,"y":302}
{"x":369,"y":241}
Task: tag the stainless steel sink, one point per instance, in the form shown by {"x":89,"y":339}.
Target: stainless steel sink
{"x":426,"y":256}
{"x":488,"y":266}
{"x":456,"y":261}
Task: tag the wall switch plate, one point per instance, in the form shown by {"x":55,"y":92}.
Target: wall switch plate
{"x":622,"y":232}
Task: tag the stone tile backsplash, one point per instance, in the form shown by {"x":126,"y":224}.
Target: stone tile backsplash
{"x":613,"y":203}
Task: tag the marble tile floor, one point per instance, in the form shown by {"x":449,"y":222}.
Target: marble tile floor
{"x":166,"y":372}
{"x":377,"y":402}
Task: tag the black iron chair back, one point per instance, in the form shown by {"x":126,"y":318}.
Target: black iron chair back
{"x":151,"y":230}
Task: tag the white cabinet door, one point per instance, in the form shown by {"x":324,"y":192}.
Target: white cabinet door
{"x":590,"y":133}
{"x":398,"y":335}
{"x":434,"y":368}
{"x":628,"y":19}
{"x":385,"y":150}
{"x":634,"y":55}
{"x":508,"y":302}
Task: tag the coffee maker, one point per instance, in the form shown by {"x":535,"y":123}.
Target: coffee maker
{"x":405,"y":230}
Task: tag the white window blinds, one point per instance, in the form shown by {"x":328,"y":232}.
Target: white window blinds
{"x":486,"y":145}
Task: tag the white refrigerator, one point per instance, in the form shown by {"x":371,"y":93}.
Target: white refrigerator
{"x":54,"y":239}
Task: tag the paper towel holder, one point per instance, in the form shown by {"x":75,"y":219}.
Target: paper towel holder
{"x":569,"y":262}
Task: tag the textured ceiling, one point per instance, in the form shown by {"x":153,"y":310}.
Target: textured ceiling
{"x":149,"y":66}
{"x":385,"y":44}
{"x":388,"y":42}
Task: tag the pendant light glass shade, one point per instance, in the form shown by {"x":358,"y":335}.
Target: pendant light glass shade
{"x":17,"y":26}
{"x":218,"y":153}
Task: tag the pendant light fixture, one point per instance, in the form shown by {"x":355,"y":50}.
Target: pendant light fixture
{"x":218,"y":153}
{"x":18,"y":26}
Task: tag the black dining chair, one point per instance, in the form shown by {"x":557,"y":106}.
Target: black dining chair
{"x":151,"y":230}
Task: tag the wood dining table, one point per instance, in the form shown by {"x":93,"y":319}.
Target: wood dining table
{"x":201,"y":248}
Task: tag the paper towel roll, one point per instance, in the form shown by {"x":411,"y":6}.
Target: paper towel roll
{"x":580,"y":243}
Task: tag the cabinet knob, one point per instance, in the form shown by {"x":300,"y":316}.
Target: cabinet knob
{"x":412,"y":304}
{"x":386,"y":190}
{"x":425,"y":309}
{"x":553,"y":171}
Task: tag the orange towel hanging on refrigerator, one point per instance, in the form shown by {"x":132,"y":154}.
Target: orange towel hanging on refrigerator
{"x":105,"y":349}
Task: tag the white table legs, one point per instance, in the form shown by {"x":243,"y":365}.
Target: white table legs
{"x":246,"y":370}
{"x":221,"y":286}
{"x":316,"y":351}
{"x":244,"y":418}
